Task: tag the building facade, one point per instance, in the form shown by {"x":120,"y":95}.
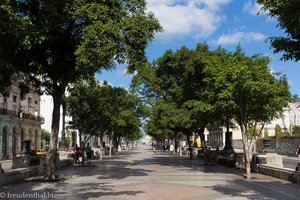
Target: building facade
{"x":19,"y":121}
{"x":289,"y":118}
{"x":215,"y":133}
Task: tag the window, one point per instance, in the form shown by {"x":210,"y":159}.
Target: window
{"x":15,"y":99}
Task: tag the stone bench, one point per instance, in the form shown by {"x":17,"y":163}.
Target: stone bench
{"x":20,"y":174}
{"x":226,"y":158}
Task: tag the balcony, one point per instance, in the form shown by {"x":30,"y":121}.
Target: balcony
{"x":21,"y":115}
{"x":8,"y":112}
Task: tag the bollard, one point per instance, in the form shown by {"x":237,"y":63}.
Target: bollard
{"x":297,"y":174}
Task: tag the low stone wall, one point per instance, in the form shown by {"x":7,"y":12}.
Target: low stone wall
{"x":20,"y":174}
{"x":266,"y":165}
{"x":297,"y":177}
{"x":281,"y":173}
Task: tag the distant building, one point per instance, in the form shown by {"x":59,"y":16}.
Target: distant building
{"x":46,"y":112}
{"x":19,"y":120}
{"x":215,"y":134}
{"x":289,"y":118}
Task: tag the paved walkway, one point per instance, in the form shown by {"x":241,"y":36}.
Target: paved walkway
{"x":140,"y":174}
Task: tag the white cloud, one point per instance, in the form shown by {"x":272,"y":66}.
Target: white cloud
{"x":254,"y":8}
{"x":199,"y":18}
{"x":251,"y":7}
{"x":239,"y":37}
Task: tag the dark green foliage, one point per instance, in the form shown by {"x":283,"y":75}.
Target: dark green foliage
{"x":279,"y":132}
{"x":59,"y":42}
{"x":102,"y":109}
{"x":45,"y":135}
{"x":288,"y":16}
{"x":296,"y":131}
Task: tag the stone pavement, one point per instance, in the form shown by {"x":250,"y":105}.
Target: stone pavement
{"x":140,"y":174}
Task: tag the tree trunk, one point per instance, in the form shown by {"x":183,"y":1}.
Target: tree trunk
{"x":82,"y":147}
{"x":110,"y":144}
{"x":118,"y":143}
{"x":190,"y":146}
{"x":246,"y":151}
{"x":101,"y":146}
{"x":180,"y":148}
{"x":52,"y":153}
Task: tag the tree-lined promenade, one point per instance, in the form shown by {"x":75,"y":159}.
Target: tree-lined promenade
{"x":54,"y":44}
{"x":190,"y":88}
{"x":59,"y":45}
{"x":139,"y":174}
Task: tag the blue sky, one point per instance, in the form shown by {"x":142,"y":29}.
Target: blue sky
{"x":216,"y":22}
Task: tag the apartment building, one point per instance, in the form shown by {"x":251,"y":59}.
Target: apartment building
{"x":289,"y":118}
{"x":19,"y":121}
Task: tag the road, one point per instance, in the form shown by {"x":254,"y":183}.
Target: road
{"x":140,"y":174}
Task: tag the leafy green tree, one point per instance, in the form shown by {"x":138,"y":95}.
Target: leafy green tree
{"x":55,"y":43}
{"x":167,"y":121}
{"x":173,"y":83}
{"x":287,"y":14}
{"x":278,"y":130}
{"x":266,"y":134}
{"x":296,"y":131}
{"x":125,"y":116}
{"x":104,"y":110}
{"x":45,"y":135}
{"x":245,"y":88}
{"x":86,"y":106}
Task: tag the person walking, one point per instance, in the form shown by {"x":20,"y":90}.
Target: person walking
{"x":88,"y":152}
{"x":77,"y":154}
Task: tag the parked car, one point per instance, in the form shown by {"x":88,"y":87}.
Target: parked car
{"x":41,"y":152}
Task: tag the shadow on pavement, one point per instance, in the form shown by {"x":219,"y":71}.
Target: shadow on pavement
{"x":258,"y":190}
{"x":103,"y":178}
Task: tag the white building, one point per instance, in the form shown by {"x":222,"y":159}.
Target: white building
{"x":19,"y":120}
{"x":290,"y":118}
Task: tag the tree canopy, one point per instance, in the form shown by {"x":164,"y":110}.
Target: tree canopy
{"x":55,"y":43}
{"x":244,"y":89}
{"x":288,"y":16}
{"x":99,"y":109}
{"x":173,"y":87}
{"x":195,"y":87}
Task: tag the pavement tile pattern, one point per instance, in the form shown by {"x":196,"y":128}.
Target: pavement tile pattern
{"x":139,"y":174}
